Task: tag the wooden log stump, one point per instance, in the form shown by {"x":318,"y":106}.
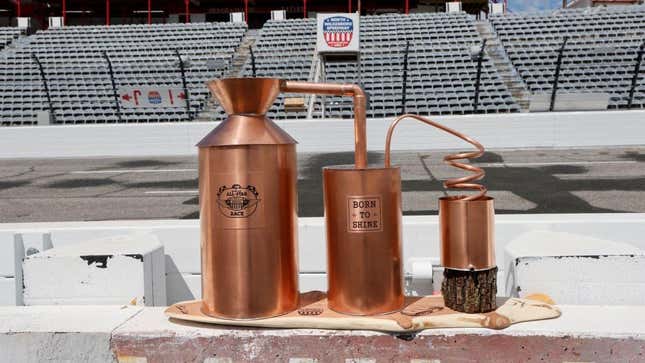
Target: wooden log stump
{"x":470,"y":291}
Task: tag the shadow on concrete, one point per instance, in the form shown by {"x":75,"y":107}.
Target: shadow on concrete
{"x":539,"y":185}
{"x":633,"y":155}
{"x":81,"y":183}
{"x":179,"y":184}
{"x":13,"y":184}
{"x":310,"y":194}
{"x":144,"y":163}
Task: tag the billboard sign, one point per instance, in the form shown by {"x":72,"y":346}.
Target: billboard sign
{"x":338,"y":33}
{"x":151,"y":97}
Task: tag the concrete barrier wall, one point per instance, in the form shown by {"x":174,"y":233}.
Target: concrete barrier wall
{"x":181,"y":243}
{"x":136,"y":334}
{"x":522,"y":130}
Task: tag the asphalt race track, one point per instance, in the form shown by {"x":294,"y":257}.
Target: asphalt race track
{"x":522,"y":181}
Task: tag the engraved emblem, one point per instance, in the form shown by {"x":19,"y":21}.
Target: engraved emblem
{"x":236,"y":201}
{"x":364,"y":214}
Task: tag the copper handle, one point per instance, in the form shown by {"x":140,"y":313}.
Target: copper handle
{"x":360,"y":105}
{"x":466,"y":182}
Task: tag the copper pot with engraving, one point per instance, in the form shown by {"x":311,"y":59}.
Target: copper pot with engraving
{"x":248,"y":206}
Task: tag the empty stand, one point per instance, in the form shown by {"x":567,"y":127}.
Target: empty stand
{"x":8,"y":35}
{"x":441,"y":71}
{"x":285,"y":49}
{"x":600,"y":54}
{"x":141,"y":55}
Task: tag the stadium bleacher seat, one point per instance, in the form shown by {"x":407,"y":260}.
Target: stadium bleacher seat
{"x":8,"y":35}
{"x":599,"y":56}
{"x":78,"y":78}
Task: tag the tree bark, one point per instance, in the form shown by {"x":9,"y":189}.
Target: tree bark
{"x":470,"y":291}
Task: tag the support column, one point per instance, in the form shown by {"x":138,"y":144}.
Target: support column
{"x":149,"y":12}
{"x":187,"y":11}
{"x":64,"y":12}
{"x":246,"y":11}
{"x":407,"y":7}
{"x":304,"y":9}
{"x":349,"y":6}
{"x":19,"y":8}
{"x":107,"y":12}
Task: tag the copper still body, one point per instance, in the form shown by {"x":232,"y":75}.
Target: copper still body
{"x":248,"y":206}
{"x":364,"y":239}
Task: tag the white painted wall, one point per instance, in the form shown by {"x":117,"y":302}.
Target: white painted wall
{"x":521,"y":130}
{"x":420,"y":235}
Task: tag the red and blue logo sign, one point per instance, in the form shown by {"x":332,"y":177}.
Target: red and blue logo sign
{"x":338,"y":31}
{"x":154,"y":97}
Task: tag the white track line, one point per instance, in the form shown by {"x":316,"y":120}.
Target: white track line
{"x":494,"y":165}
{"x":118,"y":171}
{"x":172,"y":192}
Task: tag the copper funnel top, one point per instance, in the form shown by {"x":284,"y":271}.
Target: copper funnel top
{"x":244,"y":96}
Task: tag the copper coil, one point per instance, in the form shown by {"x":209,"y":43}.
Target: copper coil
{"x":466,"y":182}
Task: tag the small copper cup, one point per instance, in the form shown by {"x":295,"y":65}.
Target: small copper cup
{"x":467,"y":233}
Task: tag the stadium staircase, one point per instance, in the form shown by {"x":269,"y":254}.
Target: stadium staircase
{"x":243,"y":53}
{"x":240,"y":58}
{"x":502,"y":63}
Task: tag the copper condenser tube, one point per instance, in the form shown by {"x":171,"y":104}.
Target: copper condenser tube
{"x":363,"y":222}
{"x":248,"y":206}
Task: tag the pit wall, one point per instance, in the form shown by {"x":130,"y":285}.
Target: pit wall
{"x":521,"y":130}
{"x":180,"y":239}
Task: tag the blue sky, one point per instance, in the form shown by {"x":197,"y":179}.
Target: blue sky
{"x":533,"y":5}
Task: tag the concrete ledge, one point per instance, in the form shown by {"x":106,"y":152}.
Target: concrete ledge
{"x":60,"y":333}
{"x":590,"y":333}
{"x":138,"y":334}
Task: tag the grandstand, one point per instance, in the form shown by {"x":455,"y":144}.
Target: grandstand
{"x":78,"y":77}
{"x":600,"y":56}
{"x":8,"y":35}
{"x":441,"y":69}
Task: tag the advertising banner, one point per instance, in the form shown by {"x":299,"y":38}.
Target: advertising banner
{"x":151,"y":97}
{"x":338,"y":33}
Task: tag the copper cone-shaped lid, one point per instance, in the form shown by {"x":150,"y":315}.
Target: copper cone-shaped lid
{"x":246,"y":101}
{"x":240,"y":96}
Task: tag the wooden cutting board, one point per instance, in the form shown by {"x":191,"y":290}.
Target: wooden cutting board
{"x":419,"y":313}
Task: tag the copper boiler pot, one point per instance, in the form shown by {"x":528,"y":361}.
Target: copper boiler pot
{"x":248,"y":206}
{"x":364,"y":239}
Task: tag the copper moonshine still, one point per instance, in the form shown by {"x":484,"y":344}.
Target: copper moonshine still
{"x":248,"y":204}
